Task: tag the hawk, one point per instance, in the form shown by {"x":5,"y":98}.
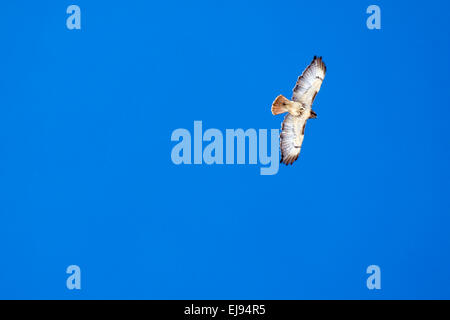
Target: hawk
{"x":299,"y":110}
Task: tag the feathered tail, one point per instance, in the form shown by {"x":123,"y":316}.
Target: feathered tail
{"x":280,"y":105}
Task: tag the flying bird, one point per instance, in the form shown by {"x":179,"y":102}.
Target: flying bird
{"x":299,"y":110}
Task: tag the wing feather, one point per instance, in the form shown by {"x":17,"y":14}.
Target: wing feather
{"x":309,"y":83}
{"x":291,"y":138}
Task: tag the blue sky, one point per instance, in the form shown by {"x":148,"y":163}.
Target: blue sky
{"x":86,"y":176}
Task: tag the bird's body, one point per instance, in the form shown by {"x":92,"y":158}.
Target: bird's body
{"x":299,"y":110}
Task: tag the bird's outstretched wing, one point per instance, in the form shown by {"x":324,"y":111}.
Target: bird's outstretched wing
{"x":309,"y":83}
{"x":291,"y":138}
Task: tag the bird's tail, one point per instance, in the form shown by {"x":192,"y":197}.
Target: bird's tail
{"x":280,"y":104}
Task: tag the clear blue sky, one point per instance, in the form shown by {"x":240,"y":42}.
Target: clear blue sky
{"x":86,"y":176}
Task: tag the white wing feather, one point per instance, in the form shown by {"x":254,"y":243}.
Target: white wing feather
{"x":291,"y":138}
{"x":309,"y":83}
